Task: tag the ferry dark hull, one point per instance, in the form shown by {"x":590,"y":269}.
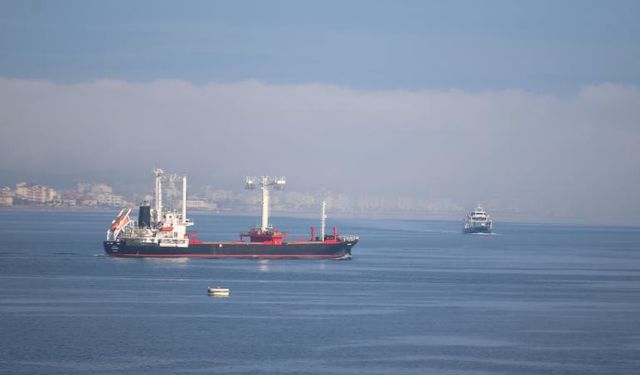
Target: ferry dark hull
{"x":251,"y":250}
{"x":477,"y":230}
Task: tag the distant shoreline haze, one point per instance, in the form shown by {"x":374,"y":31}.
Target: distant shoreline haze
{"x":285,"y":204}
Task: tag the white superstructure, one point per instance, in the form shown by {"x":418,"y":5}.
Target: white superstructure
{"x":166,"y":228}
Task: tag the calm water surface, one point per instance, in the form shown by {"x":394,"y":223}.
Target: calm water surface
{"x":418,"y":297}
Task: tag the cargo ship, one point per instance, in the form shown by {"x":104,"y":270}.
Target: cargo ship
{"x":163,"y":233}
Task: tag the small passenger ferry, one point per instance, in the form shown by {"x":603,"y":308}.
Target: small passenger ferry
{"x":477,"y":221}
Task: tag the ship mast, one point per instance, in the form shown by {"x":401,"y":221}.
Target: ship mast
{"x":184,"y":199}
{"x":158,"y":172}
{"x":265,"y":209}
{"x":266,"y":184}
{"x":323,"y":220}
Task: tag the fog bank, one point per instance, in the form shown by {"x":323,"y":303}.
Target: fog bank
{"x":567,"y":157}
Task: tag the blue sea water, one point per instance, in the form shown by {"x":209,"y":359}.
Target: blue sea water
{"x":418,"y":297}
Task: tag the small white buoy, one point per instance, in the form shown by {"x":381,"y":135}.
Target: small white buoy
{"x":218,"y":292}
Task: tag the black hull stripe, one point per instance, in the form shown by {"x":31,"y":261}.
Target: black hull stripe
{"x":232,"y":250}
{"x":248,"y":256}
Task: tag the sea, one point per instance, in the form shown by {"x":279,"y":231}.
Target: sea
{"x":418,"y":297}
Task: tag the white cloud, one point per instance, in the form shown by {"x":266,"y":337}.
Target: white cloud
{"x":553,"y":156}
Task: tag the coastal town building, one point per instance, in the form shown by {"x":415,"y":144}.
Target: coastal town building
{"x":6,"y":197}
{"x":36,"y":193}
{"x":98,"y":195}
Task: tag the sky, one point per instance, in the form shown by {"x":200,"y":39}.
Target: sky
{"x":529,"y":104}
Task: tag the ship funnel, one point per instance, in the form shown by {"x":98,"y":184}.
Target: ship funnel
{"x":144,"y":215}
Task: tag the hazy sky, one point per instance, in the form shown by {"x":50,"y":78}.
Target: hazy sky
{"x":519,"y":103}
